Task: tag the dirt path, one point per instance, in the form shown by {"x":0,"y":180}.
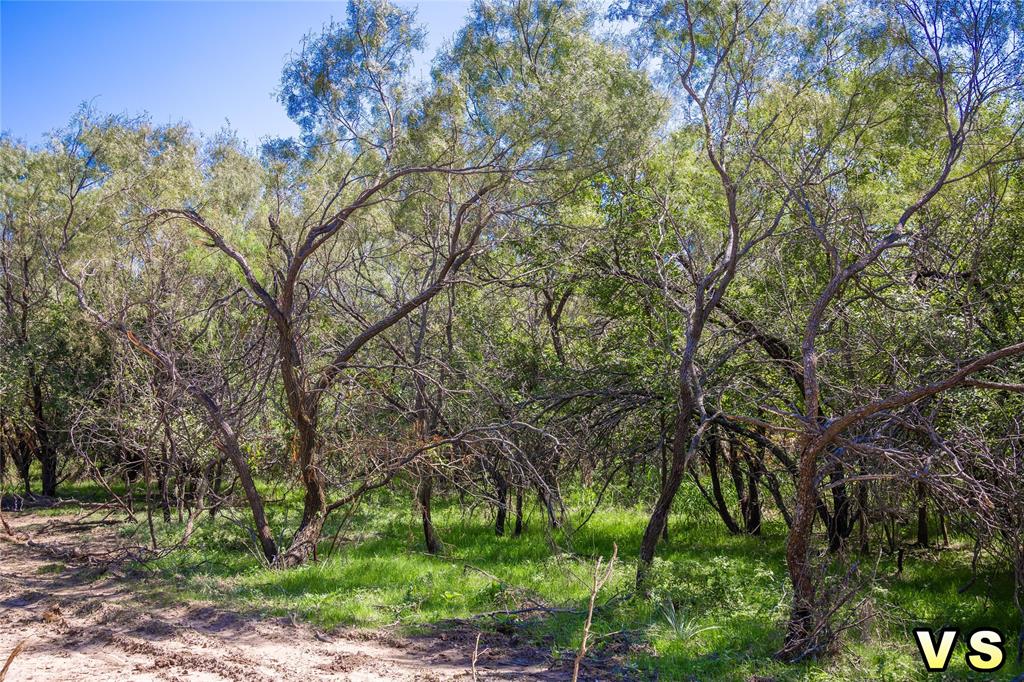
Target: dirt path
{"x":87,"y":622}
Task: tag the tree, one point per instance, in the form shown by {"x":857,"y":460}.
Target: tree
{"x":970,"y":70}
{"x":381,"y":174}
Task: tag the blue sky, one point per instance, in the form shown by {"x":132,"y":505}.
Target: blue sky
{"x":202,"y":62}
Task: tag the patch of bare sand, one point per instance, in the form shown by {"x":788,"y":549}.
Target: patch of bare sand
{"x":85,"y":621}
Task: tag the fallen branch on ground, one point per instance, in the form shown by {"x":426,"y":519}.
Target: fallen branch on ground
{"x":10,"y":659}
{"x":540,"y":609}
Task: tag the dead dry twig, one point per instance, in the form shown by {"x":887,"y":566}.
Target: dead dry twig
{"x":601,"y":578}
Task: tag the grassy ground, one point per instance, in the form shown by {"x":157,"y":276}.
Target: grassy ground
{"x":716,"y":613}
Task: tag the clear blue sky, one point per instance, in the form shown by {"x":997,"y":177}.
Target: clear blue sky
{"x":201,"y":62}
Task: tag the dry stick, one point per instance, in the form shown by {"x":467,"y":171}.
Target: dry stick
{"x":600,"y":580}
{"x":343,"y":525}
{"x":485,"y":573}
{"x":476,"y":653}
{"x":10,"y":659}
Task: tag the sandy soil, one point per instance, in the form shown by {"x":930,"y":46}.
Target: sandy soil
{"x":86,"y":620}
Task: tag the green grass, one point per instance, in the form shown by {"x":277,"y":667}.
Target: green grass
{"x":73,"y":494}
{"x":728,"y":594}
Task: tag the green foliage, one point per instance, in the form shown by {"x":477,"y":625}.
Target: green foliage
{"x":553,"y":257}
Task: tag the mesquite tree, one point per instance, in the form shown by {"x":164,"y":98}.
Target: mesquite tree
{"x":969,"y":73}
{"x":386,"y":188}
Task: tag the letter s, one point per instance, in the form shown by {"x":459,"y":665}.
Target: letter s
{"x":985,"y":650}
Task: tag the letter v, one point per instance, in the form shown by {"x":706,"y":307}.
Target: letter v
{"x":936,"y":659}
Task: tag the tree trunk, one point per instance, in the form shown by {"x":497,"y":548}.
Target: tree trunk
{"x":303,"y":411}
{"x":168,"y":454}
{"x":499,"y":520}
{"x":544,"y":496}
{"x":129,"y":495}
{"x":314,"y":504}
{"x":228,"y":443}
{"x":165,"y":495}
{"x":752,"y":512}
{"x":776,"y":492}
{"x":44,"y":447}
{"x":518,"y":530}
{"x":663,"y":443}
{"x":720,"y":505}
{"x":840,"y":527}
{"x":215,"y":487}
{"x":922,"y":514}
{"x":303,"y":544}
{"x":314,"y":514}
{"x":423,"y":494}
{"x":862,"y":513}
{"x":802,"y":633}
{"x":659,"y":515}
{"x":24,"y":463}
{"x":501,"y":489}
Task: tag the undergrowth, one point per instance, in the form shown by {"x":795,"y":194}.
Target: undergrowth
{"x":716,"y":608}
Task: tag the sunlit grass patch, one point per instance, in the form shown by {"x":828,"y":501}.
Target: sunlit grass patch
{"x":716,"y":611}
